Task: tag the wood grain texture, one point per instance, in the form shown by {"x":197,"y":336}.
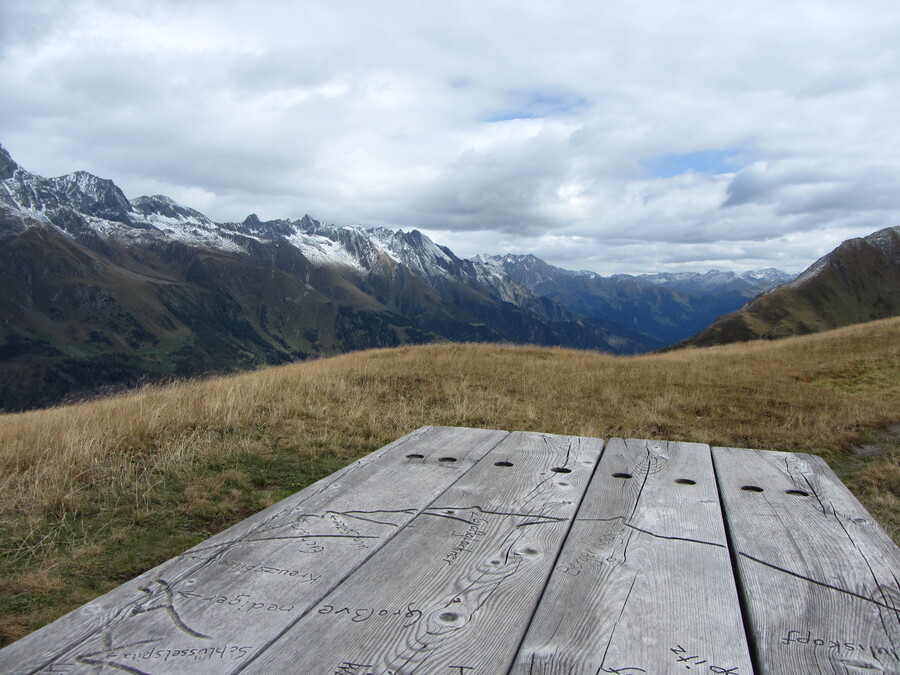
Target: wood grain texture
{"x":463,"y":552}
{"x":213,"y":607}
{"x":644,"y":583}
{"x":819,"y":577}
{"x":455,"y":590}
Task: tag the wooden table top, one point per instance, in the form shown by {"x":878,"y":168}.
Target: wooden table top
{"x":474,"y":552}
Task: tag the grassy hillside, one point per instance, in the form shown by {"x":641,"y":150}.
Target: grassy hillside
{"x":93,"y":494}
{"x":857,"y":282}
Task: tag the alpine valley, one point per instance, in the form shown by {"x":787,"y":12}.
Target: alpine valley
{"x":97,"y":290}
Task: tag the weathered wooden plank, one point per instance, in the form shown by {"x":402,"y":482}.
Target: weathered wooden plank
{"x":644,"y":583}
{"x":455,"y":590}
{"x":818,"y":576}
{"x":215,"y":606}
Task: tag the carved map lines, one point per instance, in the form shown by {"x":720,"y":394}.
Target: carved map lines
{"x":644,"y":469}
{"x":168,"y":606}
{"x":816,"y":582}
{"x":360,"y":515}
{"x":819,"y":587}
{"x":671,"y":538}
{"x":265,"y":521}
{"x":478,"y":569}
{"x":272,"y":567}
{"x":624,"y":591}
{"x":101,"y":657}
{"x":531,"y":518}
{"x":602,"y":668}
{"x":160,"y":594}
{"x":273,"y":517}
{"x":888,"y":603}
{"x":524,"y":555}
{"x":156,"y":596}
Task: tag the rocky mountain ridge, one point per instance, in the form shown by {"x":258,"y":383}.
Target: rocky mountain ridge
{"x":98,"y":290}
{"x":532,"y":271}
{"x":668,"y":306}
{"x":82,"y":205}
{"x":858,"y":281}
{"x":748,"y":283}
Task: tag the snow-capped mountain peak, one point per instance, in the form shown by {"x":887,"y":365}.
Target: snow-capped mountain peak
{"x":85,"y":207}
{"x":166,"y":207}
{"x":81,"y":204}
{"x":94,"y":196}
{"x":715,"y":281}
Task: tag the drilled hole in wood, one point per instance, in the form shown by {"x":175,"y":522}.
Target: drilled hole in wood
{"x":502,"y":463}
{"x":415,"y":456}
{"x":621,"y":475}
{"x":799,"y":493}
{"x":685,"y":481}
{"x":752,"y":488}
{"x":561,"y":469}
{"x":447,"y":459}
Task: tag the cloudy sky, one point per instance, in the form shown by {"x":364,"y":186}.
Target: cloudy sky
{"x":635,"y":136}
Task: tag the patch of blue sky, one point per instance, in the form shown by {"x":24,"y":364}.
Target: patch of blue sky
{"x":702,"y":161}
{"x":532,"y":104}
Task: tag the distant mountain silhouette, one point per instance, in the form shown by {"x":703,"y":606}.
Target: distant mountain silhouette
{"x":665,"y":307}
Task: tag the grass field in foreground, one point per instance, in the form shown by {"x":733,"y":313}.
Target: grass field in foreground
{"x":93,"y":494}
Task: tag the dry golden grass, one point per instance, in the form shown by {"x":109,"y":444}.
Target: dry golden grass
{"x":124,"y":483}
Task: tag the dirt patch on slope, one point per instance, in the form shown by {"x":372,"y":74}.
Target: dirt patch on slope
{"x":888,"y":437}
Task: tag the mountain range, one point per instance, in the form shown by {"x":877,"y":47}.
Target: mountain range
{"x":98,"y":290}
{"x":667,"y":307}
{"x":858,"y":281}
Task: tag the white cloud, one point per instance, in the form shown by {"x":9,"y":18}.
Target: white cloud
{"x":613,"y":136}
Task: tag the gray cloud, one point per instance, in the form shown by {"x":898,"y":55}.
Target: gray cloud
{"x":614,"y":137}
